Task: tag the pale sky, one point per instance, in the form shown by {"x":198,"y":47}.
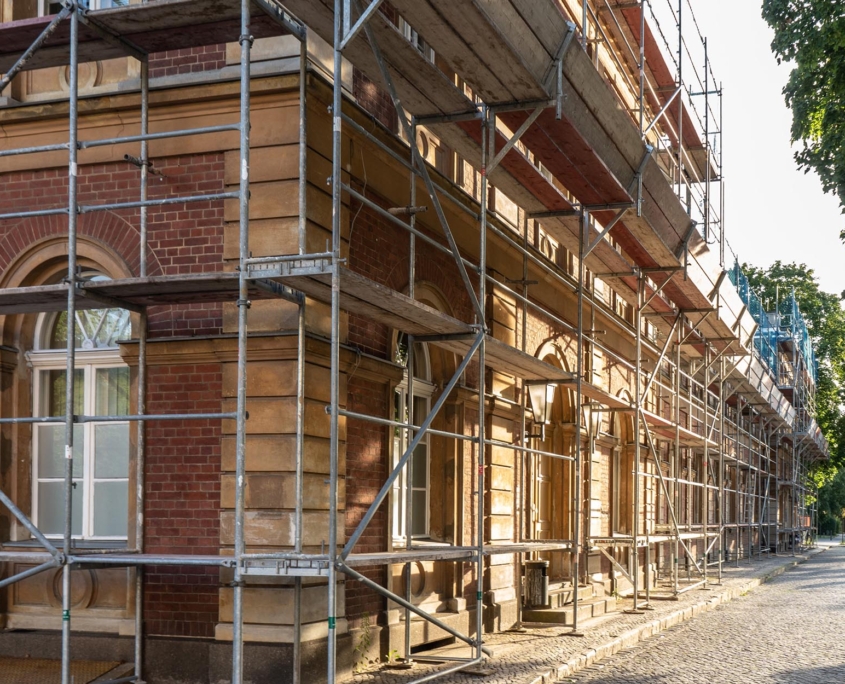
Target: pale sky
{"x":773,"y":211}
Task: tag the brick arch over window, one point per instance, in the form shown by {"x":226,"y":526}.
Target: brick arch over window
{"x":44,"y":262}
{"x":115,"y":235}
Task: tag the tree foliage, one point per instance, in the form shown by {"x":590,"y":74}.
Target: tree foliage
{"x":832,"y":505}
{"x":825,"y":320}
{"x":811,"y":35}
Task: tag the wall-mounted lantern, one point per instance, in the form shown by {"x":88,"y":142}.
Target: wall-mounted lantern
{"x":542,"y":400}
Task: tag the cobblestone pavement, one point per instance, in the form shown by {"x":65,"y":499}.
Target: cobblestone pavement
{"x":761,"y":637}
{"x":789,"y":630}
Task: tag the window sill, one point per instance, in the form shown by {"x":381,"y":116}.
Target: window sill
{"x":399,"y":545}
{"x":76,"y":545}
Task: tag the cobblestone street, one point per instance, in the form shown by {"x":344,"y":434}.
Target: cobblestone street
{"x":772,"y":620}
{"x":788,"y":630}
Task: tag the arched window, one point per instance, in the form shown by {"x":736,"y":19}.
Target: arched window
{"x":407,"y":409}
{"x":101,"y":448}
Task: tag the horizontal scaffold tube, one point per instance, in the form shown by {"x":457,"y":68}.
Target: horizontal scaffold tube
{"x":407,"y":426}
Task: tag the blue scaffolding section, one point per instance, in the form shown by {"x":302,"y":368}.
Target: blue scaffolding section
{"x":784,"y":324}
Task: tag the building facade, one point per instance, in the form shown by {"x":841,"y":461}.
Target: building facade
{"x":442,"y":345}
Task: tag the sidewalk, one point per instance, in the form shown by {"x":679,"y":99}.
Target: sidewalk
{"x":542,"y":655}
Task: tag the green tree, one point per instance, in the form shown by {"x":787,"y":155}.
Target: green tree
{"x":811,"y":35}
{"x":831,"y":504}
{"x":825,"y":320}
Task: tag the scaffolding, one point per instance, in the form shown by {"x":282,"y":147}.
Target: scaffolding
{"x":710,"y":387}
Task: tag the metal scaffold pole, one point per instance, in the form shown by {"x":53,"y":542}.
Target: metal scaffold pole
{"x":638,"y":426}
{"x":70,"y":374}
{"x":704,"y":466}
{"x":245,"y":41}
{"x":487,"y":138}
{"x":579,"y":376}
{"x":141,"y":449}
{"x":720,"y":479}
{"x":341,"y":9}
{"x":412,"y":275}
{"x":675,"y":491}
{"x":300,"y":357}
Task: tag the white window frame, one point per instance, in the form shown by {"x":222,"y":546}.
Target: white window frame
{"x":423,"y":389}
{"x":89,"y":361}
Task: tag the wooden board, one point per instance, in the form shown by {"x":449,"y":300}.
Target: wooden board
{"x":423,"y":89}
{"x":153,"y":27}
{"x":368,"y":298}
{"x":511,"y":361}
{"x":33,"y":299}
{"x":435,"y":553}
{"x":505,"y":65}
{"x":570,"y":158}
{"x":665,"y":429}
{"x":178,"y":289}
{"x":603,"y":397}
{"x":155,"y":290}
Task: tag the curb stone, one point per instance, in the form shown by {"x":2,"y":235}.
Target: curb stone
{"x":649,"y":629}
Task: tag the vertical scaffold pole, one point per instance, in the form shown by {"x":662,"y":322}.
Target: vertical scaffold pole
{"x":487,"y":138}
{"x":721,"y":478}
{"x":706,"y":462}
{"x":520,"y":496}
{"x":681,"y":102}
{"x":707,"y":150}
{"x":70,"y":380}
{"x":340,"y":6}
{"x":409,"y":493}
{"x":245,"y":41}
{"x":300,"y":358}
{"x":641,"y":99}
{"x":579,"y":376}
{"x":638,"y":424}
{"x":584,"y":24}
{"x":412,"y":274}
{"x":676,"y":465}
{"x":141,"y":447}
{"x":641,"y":70}
{"x":721,"y":181}
{"x":737,"y":457}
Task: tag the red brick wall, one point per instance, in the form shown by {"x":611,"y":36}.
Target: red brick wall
{"x":366,"y":471}
{"x":374,"y":100}
{"x":187,"y":61}
{"x":183,"y":499}
{"x":183,"y":238}
{"x":187,"y":238}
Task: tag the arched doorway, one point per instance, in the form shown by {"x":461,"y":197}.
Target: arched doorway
{"x":551,"y":481}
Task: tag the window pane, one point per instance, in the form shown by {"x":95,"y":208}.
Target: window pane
{"x":419,"y":478}
{"x":111,"y":450}
{"x":110,"y":501}
{"x":112,"y":391}
{"x":420,"y":410}
{"x":51,"y":450}
{"x":53,"y":392}
{"x":95,"y":328}
{"x":420,"y":510}
{"x":51,"y":508}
